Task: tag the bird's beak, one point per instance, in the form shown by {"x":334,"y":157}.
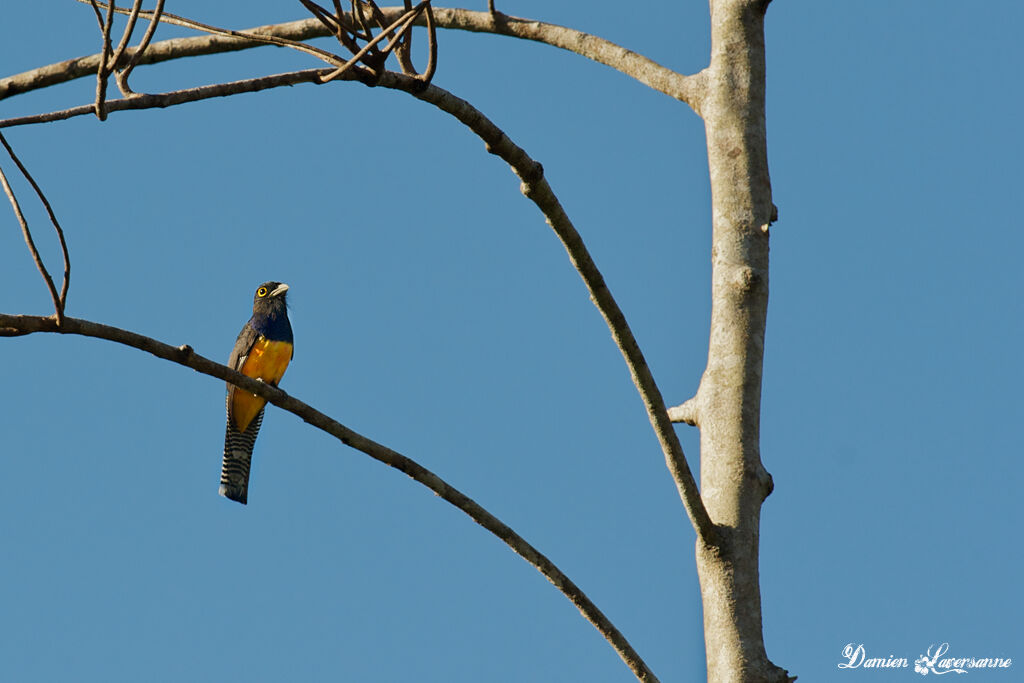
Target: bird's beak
{"x":280,"y":289}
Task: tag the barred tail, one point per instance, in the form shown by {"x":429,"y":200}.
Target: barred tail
{"x":234,"y":472}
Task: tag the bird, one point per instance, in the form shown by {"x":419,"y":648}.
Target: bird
{"x":263,"y":350}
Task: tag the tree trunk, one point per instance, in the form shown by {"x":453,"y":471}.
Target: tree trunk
{"x":734,"y":483}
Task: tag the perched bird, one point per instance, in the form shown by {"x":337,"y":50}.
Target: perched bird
{"x":263,"y":350}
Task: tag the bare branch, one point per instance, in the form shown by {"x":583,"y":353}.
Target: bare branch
{"x":428,"y":74}
{"x":257,"y":38}
{"x":326,"y":18}
{"x":688,"y":89}
{"x":357,"y":12}
{"x":650,"y":73}
{"x":129,"y":29}
{"x":537,"y":189}
{"x":58,"y":299}
{"x":404,"y":50}
{"x":181,"y":96}
{"x":405,"y":22}
{"x":184,"y":355}
{"x":96,"y":11}
{"x":104,"y":66}
{"x":122,"y":76}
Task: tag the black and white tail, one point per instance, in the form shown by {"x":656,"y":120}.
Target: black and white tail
{"x":234,"y":471}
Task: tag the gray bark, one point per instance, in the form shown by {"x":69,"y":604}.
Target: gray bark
{"x":727,"y":407}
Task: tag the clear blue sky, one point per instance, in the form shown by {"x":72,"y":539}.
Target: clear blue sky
{"x":435,"y":311}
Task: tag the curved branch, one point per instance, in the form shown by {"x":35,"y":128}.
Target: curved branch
{"x":104,"y":65}
{"x":122,"y":76}
{"x":58,"y":299}
{"x":184,"y":355}
{"x":688,"y":89}
{"x":684,"y":88}
{"x":170,"y":99}
{"x":536,"y":188}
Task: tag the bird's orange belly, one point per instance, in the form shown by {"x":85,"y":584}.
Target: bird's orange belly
{"x":267,"y":360}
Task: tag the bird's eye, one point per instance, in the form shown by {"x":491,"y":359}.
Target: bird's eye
{"x":262,"y":291}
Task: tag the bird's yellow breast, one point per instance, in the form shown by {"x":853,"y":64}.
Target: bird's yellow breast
{"x":267,"y":360}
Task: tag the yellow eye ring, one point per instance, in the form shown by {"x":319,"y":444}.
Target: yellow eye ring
{"x":262,"y":291}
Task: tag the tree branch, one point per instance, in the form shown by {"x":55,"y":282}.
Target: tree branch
{"x":122,"y":76}
{"x":126,"y":37}
{"x":536,"y":188}
{"x":688,"y":89}
{"x":158,"y":16}
{"x":184,"y":355}
{"x":172,"y":98}
{"x":58,"y":299}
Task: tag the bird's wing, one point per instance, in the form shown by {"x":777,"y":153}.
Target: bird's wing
{"x":246,"y":338}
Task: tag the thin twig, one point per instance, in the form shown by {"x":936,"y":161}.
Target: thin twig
{"x":340,"y":29}
{"x":169,"y":99}
{"x":126,"y":37}
{"x":96,"y":11}
{"x":325,"y":17}
{"x":326,"y":56}
{"x":104,"y":68}
{"x":123,"y":74}
{"x":404,"y":50}
{"x":357,"y":12}
{"x":406,"y":22}
{"x":428,"y":74}
{"x":407,"y":19}
{"x":343,"y":24}
{"x":58,"y":299}
{"x":338,"y":11}
{"x":372,"y":57}
{"x":184,"y":355}
{"x":347,"y":34}
{"x":378,"y":16}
